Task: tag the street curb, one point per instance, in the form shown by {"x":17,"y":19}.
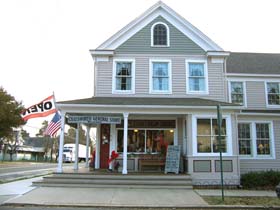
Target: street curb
{"x":143,"y":207}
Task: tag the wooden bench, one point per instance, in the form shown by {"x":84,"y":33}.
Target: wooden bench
{"x":151,"y":162}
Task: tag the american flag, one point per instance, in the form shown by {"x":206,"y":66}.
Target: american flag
{"x":54,"y":125}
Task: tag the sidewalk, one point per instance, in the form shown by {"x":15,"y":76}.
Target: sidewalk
{"x":16,"y":189}
{"x":20,"y":193}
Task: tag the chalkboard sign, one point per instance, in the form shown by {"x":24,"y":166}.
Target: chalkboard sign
{"x":172,"y":159}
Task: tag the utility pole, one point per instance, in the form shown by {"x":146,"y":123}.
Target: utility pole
{"x":220,"y":119}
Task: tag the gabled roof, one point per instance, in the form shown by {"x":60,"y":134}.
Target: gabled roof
{"x":253,"y":63}
{"x":159,"y":9}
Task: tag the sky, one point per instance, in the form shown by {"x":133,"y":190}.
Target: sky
{"x":44,"y":44}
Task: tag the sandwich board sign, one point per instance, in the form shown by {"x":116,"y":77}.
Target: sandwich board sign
{"x":172,"y":159}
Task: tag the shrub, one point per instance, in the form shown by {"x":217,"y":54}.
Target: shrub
{"x":260,"y":180}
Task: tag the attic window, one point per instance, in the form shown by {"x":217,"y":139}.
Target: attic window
{"x":160,"y":35}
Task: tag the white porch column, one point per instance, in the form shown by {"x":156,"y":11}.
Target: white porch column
{"x":97,"y":149}
{"x":125,"y":115}
{"x":87,"y":146}
{"x":61,"y":144}
{"x":76,"y":166}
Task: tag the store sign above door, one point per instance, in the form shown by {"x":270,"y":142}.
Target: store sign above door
{"x":94,"y":119}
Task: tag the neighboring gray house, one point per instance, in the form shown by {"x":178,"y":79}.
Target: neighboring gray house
{"x":164,"y":78}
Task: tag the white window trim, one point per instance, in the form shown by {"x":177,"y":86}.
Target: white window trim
{"x":132,"y":91}
{"x":169,"y":91}
{"x":152,"y":35}
{"x":266,"y":94}
{"x":206,"y":92}
{"x":228,"y":130}
{"x":254,"y":141}
{"x":244,"y":91}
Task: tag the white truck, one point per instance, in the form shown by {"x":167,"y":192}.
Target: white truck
{"x":69,"y":154}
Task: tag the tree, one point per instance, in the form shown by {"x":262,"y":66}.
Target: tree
{"x":10,"y":110}
{"x":71,"y":136}
{"x":24,"y":134}
{"x":42,"y":129}
{"x":10,"y":118}
{"x":49,"y":142}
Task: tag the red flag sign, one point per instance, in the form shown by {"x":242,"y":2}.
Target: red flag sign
{"x":42,"y":109}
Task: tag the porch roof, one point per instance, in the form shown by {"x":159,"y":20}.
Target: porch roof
{"x":135,"y":101}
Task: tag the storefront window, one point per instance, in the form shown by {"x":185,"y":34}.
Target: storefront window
{"x":207,"y":136}
{"x":146,"y":140}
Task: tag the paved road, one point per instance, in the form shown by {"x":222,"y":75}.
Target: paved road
{"x":10,"y":171}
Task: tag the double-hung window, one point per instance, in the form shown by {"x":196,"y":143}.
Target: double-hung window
{"x":160,"y":76}
{"x":255,"y":139}
{"x":197,"y":77}
{"x":123,"y":76}
{"x":245,"y":138}
{"x":273,"y":93}
{"x":237,"y":93}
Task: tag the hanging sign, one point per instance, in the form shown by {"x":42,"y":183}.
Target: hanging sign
{"x":93,"y":119}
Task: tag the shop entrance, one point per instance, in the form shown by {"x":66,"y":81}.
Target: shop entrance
{"x":104,"y":145}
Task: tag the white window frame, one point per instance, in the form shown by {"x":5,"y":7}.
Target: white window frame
{"x":114,"y":90}
{"x":244,"y":91}
{"x":167,"y":35}
{"x":254,"y":141}
{"x":204,"y":61}
{"x":266,"y":94}
{"x":228,"y":131}
{"x":151,"y":90}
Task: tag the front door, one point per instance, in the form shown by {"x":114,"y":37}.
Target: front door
{"x":104,"y":145}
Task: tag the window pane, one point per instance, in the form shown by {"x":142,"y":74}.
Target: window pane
{"x":160,"y":35}
{"x":160,"y":84}
{"x":197,"y":84}
{"x":203,"y":127}
{"x":136,"y":141}
{"x":196,"y":69}
{"x":160,"y":69}
{"x":263,"y":139}
{"x":273,"y":93}
{"x":123,"y":69}
{"x":244,"y":138}
{"x":123,"y":76}
{"x":158,"y":140}
{"x":216,"y":145}
{"x":237,"y":92}
{"x":237,"y":87}
{"x":215,"y":127}
{"x":160,"y":76}
{"x":273,"y":87}
{"x":204,"y":144}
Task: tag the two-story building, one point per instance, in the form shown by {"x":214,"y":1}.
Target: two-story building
{"x":163,"y":78}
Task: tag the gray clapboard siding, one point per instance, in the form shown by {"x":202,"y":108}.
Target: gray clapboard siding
{"x":141,"y":42}
{"x":247,"y":165}
{"x":215,"y":78}
{"x":255,"y":91}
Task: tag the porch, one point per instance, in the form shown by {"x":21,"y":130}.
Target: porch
{"x":104,"y":179}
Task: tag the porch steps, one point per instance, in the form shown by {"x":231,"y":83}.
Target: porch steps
{"x":87,"y":180}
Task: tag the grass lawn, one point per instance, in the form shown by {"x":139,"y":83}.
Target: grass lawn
{"x":256,"y":201}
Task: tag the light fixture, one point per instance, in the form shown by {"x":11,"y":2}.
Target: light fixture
{"x":135,"y":130}
{"x":171,"y":131}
